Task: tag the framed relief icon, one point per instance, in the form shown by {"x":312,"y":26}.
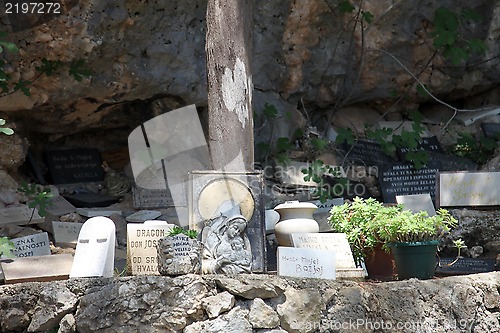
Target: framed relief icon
{"x":227,"y":209}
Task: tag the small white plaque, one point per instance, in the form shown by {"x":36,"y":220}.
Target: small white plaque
{"x":417,"y":202}
{"x":306,"y":263}
{"x":143,"y":215}
{"x":142,"y":239}
{"x":335,"y":242}
{"x":19,"y":215}
{"x":95,"y":250}
{"x":32,"y":245}
{"x":66,"y":233}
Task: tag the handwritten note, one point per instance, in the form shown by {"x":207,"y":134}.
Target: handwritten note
{"x":309,"y":263}
{"x":458,"y":189}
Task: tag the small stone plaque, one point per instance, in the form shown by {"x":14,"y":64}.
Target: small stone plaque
{"x":179,"y":255}
{"x":404,"y":179}
{"x":142,"y":241}
{"x":306,"y":263}
{"x":19,"y":215}
{"x":336,"y":242}
{"x":143,"y":215}
{"x":417,"y":202}
{"x":74,"y":166}
{"x":32,"y":245}
{"x":66,"y":233}
{"x":152,"y":197}
{"x":428,"y":144}
{"x":465,"y":266}
{"x":95,"y":249}
{"x":462,"y":189}
{"x":451,"y":162}
{"x":366,"y":153}
{"x":326,"y":207}
{"x":37,"y":269}
{"x":60,"y":206}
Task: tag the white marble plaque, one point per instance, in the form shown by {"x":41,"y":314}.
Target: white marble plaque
{"x":143,"y":215}
{"x":37,"y":269}
{"x":417,"y":202}
{"x":142,"y":239}
{"x":335,"y":242}
{"x":306,"y":263}
{"x":66,"y":233}
{"x":32,"y":245}
{"x":95,"y":250}
{"x":19,"y":215}
{"x":462,"y":189}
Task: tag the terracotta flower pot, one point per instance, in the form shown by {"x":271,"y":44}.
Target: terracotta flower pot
{"x":380,"y":264}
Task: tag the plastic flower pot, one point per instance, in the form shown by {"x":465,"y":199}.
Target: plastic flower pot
{"x":380,"y":264}
{"x":415,"y":259}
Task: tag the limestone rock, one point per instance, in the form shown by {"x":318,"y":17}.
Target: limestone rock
{"x":67,"y":324}
{"x":54,"y":303}
{"x":215,"y":305}
{"x":142,"y":302}
{"x":14,"y":149}
{"x":17,"y":306}
{"x":300,"y":309}
{"x":234,"y":321}
{"x":262,"y":315}
{"x":251,"y":286}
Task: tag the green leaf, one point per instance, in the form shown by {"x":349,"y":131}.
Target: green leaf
{"x":455,"y":54}
{"x":6,"y":247}
{"x":263,"y":147}
{"x":22,"y":85}
{"x":78,"y":71}
{"x":297,"y":134}
{"x":470,"y":14}
{"x":283,"y":144}
{"x":48,"y":67}
{"x":318,"y":143}
{"x":270,"y":111}
{"x":421,"y":91}
{"x":477,"y":46}
{"x":11,"y":47}
{"x":6,"y":130}
{"x":345,"y":135}
{"x":367,"y":16}
{"x":346,"y":7}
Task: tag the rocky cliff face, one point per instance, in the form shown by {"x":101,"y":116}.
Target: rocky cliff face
{"x":252,"y":303}
{"x":304,"y":51}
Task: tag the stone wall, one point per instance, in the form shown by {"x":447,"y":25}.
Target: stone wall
{"x":252,"y":303}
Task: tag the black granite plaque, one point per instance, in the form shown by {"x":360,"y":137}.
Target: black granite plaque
{"x":74,"y":166}
{"x":464,"y":266}
{"x":404,"y":179}
{"x":452,"y":162}
{"x":367,"y":153}
{"x":428,"y":144}
{"x":85,"y":200}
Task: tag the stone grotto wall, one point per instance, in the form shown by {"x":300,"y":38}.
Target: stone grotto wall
{"x":252,"y":303}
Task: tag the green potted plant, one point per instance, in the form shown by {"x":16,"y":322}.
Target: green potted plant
{"x":413,"y":239}
{"x":361,"y":221}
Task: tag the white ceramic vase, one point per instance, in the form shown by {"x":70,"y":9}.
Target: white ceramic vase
{"x":295,"y":217}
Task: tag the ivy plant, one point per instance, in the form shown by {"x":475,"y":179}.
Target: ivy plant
{"x":38,"y":198}
{"x":193,"y":234}
{"x":6,"y":248}
{"x":478,"y":149}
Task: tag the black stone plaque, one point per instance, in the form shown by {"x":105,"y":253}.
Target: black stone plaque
{"x":404,"y":179}
{"x":367,"y":153}
{"x":153,"y":198}
{"x":491,"y":130}
{"x":74,"y":166}
{"x":464,"y":266}
{"x":85,"y":200}
{"x":428,"y":144}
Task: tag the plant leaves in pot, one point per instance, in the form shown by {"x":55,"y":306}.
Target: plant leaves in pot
{"x":414,"y":238}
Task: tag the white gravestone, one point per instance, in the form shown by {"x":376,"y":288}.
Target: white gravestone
{"x":32,"y":245}
{"x":306,"y":263}
{"x":66,"y":233}
{"x":417,"y":202}
{"x":142,"y":241}
{"x":95,"y":250}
